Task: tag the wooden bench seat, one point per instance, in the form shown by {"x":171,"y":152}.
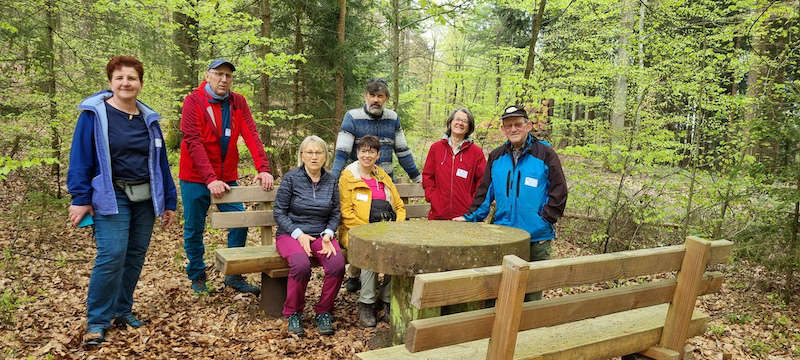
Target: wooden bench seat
{"x":601,"y":337}
{"x":652,"y":318}
{"x":265,"y":258}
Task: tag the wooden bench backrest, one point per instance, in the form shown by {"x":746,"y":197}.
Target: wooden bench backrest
{"x":264,"y":220}
{"x":460,"y":286}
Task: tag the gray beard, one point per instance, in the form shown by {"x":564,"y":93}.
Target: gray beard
{"x":374,"y":111}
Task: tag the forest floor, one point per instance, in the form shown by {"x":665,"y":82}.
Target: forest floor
{"x":46,"y":262}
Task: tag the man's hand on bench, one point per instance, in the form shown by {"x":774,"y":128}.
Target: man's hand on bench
{"x":218,"y":188}
{"x":265,"y":179}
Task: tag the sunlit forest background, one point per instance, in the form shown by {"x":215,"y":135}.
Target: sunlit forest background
{"x":672,"y":117}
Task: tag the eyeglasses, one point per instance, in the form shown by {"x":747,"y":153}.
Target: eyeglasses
{"x":369,"y":151}
{"x":515,"y":125}
{"x":313,"y":153}
{"x":223,"y":75}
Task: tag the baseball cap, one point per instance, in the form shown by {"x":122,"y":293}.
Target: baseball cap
{"x":219,"y":62}
{"x":514,"y":111}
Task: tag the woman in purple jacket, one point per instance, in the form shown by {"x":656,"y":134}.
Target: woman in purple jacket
{"x":118,"y":177}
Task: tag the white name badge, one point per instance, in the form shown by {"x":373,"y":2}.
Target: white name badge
{"x":532,"y":182}
{"x":228,"y":132}
{"x":158,"y":142}
{"x":362,"y":197}
{"x":461,"y":173}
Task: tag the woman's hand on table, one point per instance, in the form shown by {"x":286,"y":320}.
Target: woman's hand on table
{"x":459,"y":218}
{"x":305,"y":241}
{"x":327,"y":246}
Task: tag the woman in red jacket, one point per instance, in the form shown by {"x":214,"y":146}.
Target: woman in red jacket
{"x":453,"y":169}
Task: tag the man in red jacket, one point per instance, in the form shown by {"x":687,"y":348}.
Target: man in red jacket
{"x":212,"y":119}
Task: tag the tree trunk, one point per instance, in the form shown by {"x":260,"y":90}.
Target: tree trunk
{"x":755,"y":87}
{"x":49,"y":88}
{"x":794,"y":246}
{"x":642,"y":13}
{"x":298,"y":50}
{"x":621,"y":87}
{"x":396,"y":54}
{"x":536,"y":26}
{"x":498,"y":82}
{"x":264,"y":97}
{"x":338,"y":108}
{"x":184,"y":68}
{"x":430,"y":86}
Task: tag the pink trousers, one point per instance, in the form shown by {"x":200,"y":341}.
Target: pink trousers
{"x":300,"y":273}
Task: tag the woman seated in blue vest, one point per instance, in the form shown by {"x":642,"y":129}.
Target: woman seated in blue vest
{"x":306,"y":209}
{"x":119,"y":178}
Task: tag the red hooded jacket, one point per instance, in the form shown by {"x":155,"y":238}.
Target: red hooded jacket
{"x":201,"y":156}
{"x":450,"y":180}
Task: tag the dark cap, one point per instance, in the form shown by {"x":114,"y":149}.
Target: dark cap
{"x":219,"y":62}
{"x":514,"y":111}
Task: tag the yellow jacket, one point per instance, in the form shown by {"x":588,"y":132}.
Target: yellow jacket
{"x":355,"y":198}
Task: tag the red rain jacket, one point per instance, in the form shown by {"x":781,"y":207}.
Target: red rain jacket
{"x":201,"y":156}
{"x":450,"y":180}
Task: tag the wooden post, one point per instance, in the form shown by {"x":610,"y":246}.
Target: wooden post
{"x":266,"y":231}
{"x":508,"y":311}
{"x":679,"y":315}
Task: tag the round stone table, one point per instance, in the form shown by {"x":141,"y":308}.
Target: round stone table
{"x":407,"y":248}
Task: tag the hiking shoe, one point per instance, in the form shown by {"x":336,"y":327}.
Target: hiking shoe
{"x":94,"y":338}
{"x":199,"y":285}
{"x":128,"y":319}
{"x":236,"y":282}
{"x":352,"y":284}
{"x":324,"y":323}
{"x":296,"y":325}
{"x":366,"y":315}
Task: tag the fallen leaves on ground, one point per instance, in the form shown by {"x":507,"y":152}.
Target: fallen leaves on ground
{"x":46,"y":262}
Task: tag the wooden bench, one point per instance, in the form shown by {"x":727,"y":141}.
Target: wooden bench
{"x":265,"y":258}
{"x":651,"y":318}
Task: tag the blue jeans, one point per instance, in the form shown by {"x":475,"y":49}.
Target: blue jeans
{"x":122,"y":240}
{"x":196,"y":200}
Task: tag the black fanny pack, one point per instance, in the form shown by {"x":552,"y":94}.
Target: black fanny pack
{"x":381,"y":210}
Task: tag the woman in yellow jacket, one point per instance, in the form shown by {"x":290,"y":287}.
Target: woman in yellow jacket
{"x":367,"y":194}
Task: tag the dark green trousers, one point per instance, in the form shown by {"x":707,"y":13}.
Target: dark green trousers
{"x":540,"y":250}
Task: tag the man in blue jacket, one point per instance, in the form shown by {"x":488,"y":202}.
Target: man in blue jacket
{"x":525,"y":180}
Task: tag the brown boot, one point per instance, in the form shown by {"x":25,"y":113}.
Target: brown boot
{"x":366,"y":315}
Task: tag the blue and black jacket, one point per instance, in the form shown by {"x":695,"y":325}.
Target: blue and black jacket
{"x":530,"y":193}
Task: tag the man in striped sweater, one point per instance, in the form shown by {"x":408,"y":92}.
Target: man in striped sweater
{"x":373,"y":119}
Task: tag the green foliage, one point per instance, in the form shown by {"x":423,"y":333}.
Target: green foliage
{"x":734,"y":318}
{"x":717,"y":330}
{"x":10,"y":301}
{"x":757,"y":347}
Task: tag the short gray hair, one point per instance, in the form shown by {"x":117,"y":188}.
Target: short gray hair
{"x":312,"y":139}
